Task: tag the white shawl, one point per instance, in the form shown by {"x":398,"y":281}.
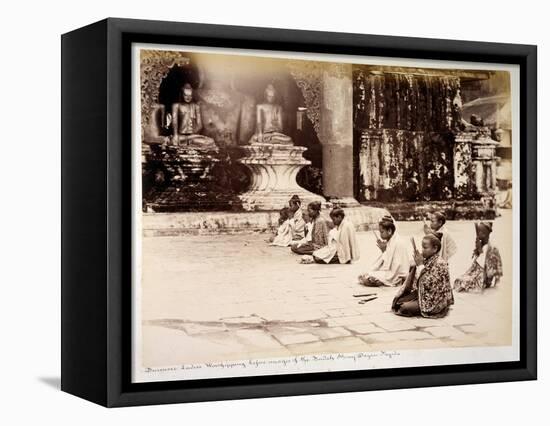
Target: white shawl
{"x":298,"y":225}
{"x":448,"y":245}
{"x":393,"y":264}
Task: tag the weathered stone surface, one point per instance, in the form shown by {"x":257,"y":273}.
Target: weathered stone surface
{"x":393,"y":323}
{"x":414,"y":144}
{"x":405,"y":100}
{"x":367,"y":328}
{"x":345,"y":321}
{"x":198,"y":328}
{"x":380,"y":338}
{"x":180,"y":178}
{"x":480,"y":209}
{"x":398,"y":165}
{"x":448,"y":331}
{"x":346,"y":345}
{"x":249,"y":320}
{"x":255,"y":339}
{"x":336,"y":131}
{"x":338,"y":313}
{"x":273,"y":169}
{"x":308,"y":348}
{"x":326,"y":333}
{"x":171,"y":224}
{"x":409,"y":335}
{"x":294,"y":338}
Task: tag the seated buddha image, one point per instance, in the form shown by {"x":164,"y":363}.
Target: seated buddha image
{"x":269,"y":121}
{"x":187,"y":123}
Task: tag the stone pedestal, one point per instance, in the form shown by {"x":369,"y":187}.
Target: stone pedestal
{"x":475,"y":163}
{"x":273,"y":169}
{"x":183,"y":180}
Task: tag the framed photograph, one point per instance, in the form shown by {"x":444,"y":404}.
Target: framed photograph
{"x":254,"y":212}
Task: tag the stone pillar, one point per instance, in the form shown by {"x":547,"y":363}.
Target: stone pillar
{"x":336,"y":133}
{"x":464,"y":174}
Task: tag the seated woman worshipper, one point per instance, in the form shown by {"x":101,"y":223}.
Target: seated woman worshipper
{"x":317,"y":236}
{"x":392,"y":265}
{"x":342,"y":244}
{"x":427,"y":290}
{"x":283,"y":238}
{"x":486,"y":268}
{"x":307,"y":230}
{"x":297,"y":222}
{"x":307,"y":227}
{"x":437,"y":225}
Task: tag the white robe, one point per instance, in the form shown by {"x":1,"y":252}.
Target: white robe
{"x":307,"y":238}
{"x":341,"y":240}
{"x":448,"y":245}
{"x":392,"y":266}
{"x":327,"y":252}
{"x":284,"y":234}
{"x":298,"y":225}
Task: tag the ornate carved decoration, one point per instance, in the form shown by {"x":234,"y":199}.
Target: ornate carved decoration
{"x":308,"y":76}
{"x":154,"y":67}
{"x":273,"y":169}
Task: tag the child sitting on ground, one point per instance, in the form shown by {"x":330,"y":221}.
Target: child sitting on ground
{"x":283,"y":238}
{"x":437,"y":226}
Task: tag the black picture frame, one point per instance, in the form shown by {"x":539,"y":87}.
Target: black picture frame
{"x":96,"y":220}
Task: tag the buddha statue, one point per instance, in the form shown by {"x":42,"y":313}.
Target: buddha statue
{"x":187,"y":123}
{"x":269,"y":121}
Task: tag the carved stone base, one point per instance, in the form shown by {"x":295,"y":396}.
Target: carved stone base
{"x":183,"y":181}
{"x":273,"y":169}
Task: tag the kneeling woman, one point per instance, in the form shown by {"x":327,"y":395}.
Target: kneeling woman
{"x":427,"y":290}
{"x":342,"y":243}
{"x":392,"y":265}
{"x":486,"y":269}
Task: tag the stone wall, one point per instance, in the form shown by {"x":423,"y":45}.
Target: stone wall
{"x":404,"y":126}
{"x":401,"y":165}
{"x":403,"y":101}
{"x":481,"y":209}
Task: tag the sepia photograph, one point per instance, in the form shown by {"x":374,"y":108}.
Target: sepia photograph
{"x":301,"y":213}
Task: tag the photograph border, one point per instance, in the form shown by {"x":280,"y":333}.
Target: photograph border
{"x":102,"y":54}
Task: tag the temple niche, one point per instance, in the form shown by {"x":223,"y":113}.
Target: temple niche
{"x":224,"y":158}
{"x":183,"y":169}
{"x":237,"y":133}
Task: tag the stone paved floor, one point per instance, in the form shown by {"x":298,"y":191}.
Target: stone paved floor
{"x":231,"y":297}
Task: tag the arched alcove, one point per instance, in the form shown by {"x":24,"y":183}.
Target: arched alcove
{"x":154,"y":67}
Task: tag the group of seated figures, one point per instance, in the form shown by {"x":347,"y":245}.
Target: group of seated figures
{"x":309,"y":235}
{"x":186,"y":122}
{"x":421,"y":276}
